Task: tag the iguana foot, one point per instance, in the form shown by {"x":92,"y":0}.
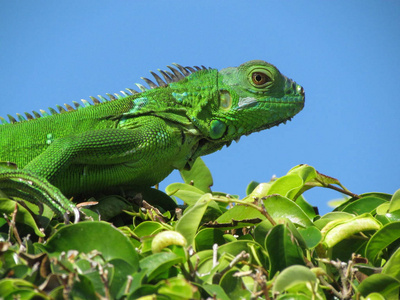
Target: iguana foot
{"x":18,"y":183}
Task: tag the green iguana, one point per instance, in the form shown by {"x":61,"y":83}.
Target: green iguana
{"x":138,"y":138}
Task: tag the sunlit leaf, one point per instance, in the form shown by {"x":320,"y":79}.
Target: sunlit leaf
{"x":339,"y":230}
{"x":364,"y":205}
{"x":188,"y":193}
{"x":187,"y":225}
{"x":280,"y":207}
{"x":381,"y":240}
{"x":88,"y":236}
{"x":251,"y":186}
{"x":292,"y":276}
{"x":199,"y":175}
{"x":176,"y":288}
{"x":395,"y":201}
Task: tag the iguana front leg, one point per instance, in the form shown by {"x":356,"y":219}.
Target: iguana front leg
{"x":141,"y":151}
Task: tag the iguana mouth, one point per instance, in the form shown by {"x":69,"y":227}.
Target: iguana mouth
{"x":267,"y":126}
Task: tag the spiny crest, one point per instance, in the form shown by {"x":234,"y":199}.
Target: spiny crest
{"x":174,"y":75}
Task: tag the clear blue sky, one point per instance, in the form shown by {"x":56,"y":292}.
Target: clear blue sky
{"x":346,"y":54}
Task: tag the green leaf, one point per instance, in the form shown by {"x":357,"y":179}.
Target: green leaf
{"x":382,"y":196}
{"x":111,"y":206}
{"x":292,"y":276}
{"x":332,"y":216}
{"x":187,"y":225}
{"x":280,"y":207}
{"x":364,"y":205}
{"x":251,"y":186}
{"x":188,"y":193}
{"x":145,"y":292}
{"x":235,"y":247}
{"x":288,"y":185}
{"x":311,"y":235}
{"x":380,"y":283}
{"x":277,"y":206}
{"x":282,"y":249}
{"x":158,"y":265}
{"x":176,"y":288}
{"x":393,"y":216}
{"x":198,"y":175}
{"x":88,"y":236}
{"x":306,"y":207}
{"x":345,"y":248}
{"x":9,"y":286}
{"x":83,"y":289}
{"x":259,"y":191}
{"x":291,"y":296}
{"x":395,"y":201}
{"x":338,"y":230}
{"x":148,"y":228}
{"x":215,"y":291}
{"x":232,"y":285}
{"x":240,"y":213}
{"x":23,"y":216}
{"x":392,"y":266}
{"x":158,"y":198}
{"x":119,"y":279}
{"x":226,"y":253}
{"x":375,"y":296}
{"x":25,"y":294}
{"x":207,"y":237}
{"x":381,"y":240}
{"x":261,"y":231}
{"x":383,"y":208}
{"x":300,"y":179}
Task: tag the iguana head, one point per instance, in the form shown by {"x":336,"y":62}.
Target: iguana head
{"x":245,"y":99}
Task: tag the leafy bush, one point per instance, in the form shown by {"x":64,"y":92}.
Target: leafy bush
{"x":270,"y":245}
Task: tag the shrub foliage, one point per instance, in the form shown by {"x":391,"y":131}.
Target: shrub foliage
{"x":272,"y":244}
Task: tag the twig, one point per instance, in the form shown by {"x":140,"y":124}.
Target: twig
{"x":241,"y":256}
{"x":331,"y":288}
{"x":343,"y":191}
{"x":128,"y":284}
{"x":261,"y":208}
{"x":11,"y":223}
{"x":215,"y":255}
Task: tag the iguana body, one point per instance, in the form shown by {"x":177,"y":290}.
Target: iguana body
{"x":139,"y":139}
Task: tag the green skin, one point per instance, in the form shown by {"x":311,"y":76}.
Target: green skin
{"x":139,"y":139}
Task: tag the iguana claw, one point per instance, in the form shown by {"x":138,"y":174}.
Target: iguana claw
{"x":30,"y":187}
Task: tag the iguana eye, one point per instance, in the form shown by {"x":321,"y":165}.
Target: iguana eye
{"x":260,"y":79}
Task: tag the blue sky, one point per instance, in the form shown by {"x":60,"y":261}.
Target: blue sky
{"x":346,"y":55}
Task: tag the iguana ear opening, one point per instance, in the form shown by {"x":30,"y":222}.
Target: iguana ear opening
{"x":225,"y":100}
